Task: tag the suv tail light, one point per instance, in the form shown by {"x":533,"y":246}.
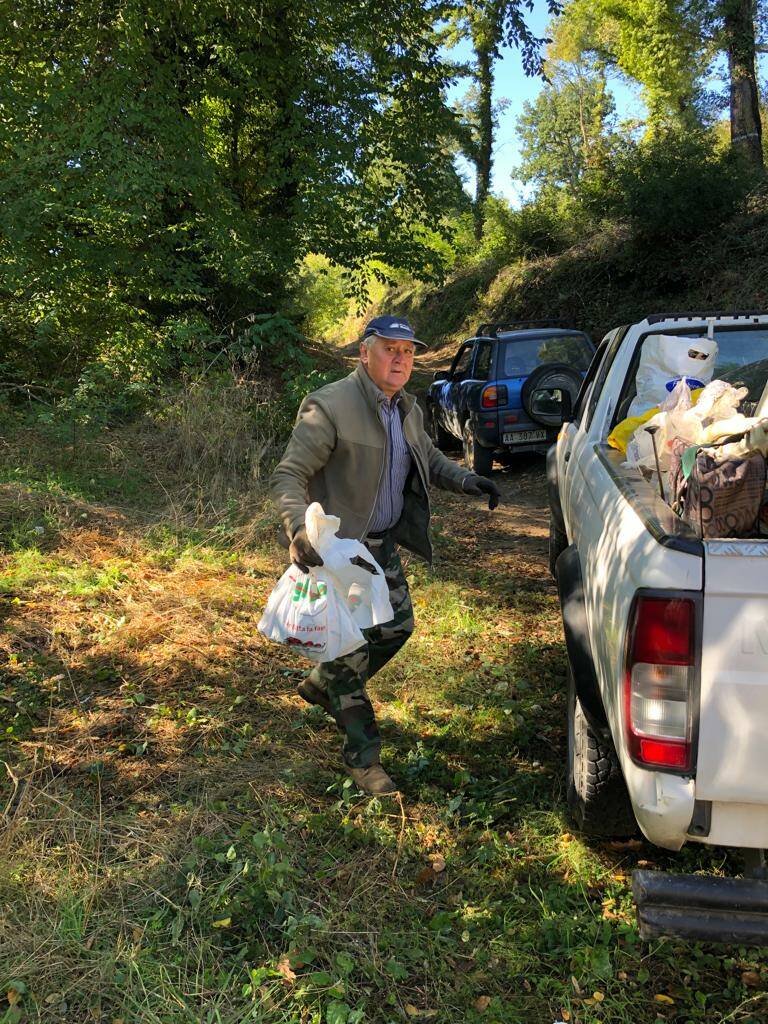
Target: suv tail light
{"x":493,"y":396}
{"x":659,"y":681}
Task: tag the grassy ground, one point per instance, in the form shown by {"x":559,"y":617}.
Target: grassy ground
{"x":181,"y":844}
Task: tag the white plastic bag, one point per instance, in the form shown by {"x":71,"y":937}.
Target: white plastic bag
{"x":304,"y":611}
{"x":322,"y":613}
{"x":664,"y":361}
{"x":719,"y":401}
{"x":713,"y":415}
{"x":365,"y":590}
{"x":676,"y":419}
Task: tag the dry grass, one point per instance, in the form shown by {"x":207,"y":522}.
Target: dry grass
{"x":222,"y":438}
{"x":179,"y":843}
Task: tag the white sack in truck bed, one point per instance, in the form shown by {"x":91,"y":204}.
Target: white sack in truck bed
{"x":667,"y":359}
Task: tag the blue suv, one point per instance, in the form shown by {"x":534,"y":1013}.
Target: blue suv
{"x":506,"y":390}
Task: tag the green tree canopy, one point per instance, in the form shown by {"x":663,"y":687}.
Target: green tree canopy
{"x":567,"y":129}
{"x":161,"y":158}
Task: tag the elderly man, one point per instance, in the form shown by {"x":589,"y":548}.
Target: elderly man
{"x":360,"y":449}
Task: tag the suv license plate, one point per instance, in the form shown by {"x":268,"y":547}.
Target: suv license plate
{"x":521,"y":436}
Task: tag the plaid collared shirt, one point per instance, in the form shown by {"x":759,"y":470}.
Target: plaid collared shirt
{"x":397,"y":464}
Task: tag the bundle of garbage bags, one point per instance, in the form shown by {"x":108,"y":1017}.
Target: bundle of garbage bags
{"x":703,"y":417}
{"x":322,"y":613}
{"x":710,"y":458}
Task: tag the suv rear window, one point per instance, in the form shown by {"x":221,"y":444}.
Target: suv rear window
{"x":523,"y":355}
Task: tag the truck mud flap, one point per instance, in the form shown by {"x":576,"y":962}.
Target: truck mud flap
{"x":732,"y":910}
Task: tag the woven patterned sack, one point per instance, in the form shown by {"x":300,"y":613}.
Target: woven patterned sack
{"x":718,"y":497}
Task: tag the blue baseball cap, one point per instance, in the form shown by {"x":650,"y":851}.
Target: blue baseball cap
{"x":392,"y":327}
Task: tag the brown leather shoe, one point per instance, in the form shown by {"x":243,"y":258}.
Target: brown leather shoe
{"x":373,"y":779}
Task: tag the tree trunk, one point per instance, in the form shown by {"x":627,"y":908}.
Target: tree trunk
{"x":484,"y":158}
{"x":746,"y":128}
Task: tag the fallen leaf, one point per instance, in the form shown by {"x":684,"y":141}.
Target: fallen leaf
{"x":415,"y":1012}
{"x":284,"y":970}
{"x":661,"y":998}
{"x":482,"y":1003}
{"x":598,"y":996}
{"x":576,"y":985}
{"x":223,"y":922}
{"x":425,"y":876}
{"x":751,"y":979}
{"x":13,"y":996}
{"x":527,"y":985}
{"x":622,"y":975}
{"x":565,"y":1014}
{"x":438,"y":862}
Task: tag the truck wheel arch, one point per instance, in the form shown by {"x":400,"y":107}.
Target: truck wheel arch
{"x":553,"y":490}
{"x":570,"y":586}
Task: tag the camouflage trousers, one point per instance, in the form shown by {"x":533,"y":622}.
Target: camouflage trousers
{"x":345,"y":678}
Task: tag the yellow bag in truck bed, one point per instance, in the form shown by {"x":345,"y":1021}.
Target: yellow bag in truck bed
{"x":620,"y":436}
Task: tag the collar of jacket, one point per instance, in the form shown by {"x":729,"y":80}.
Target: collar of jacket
{"x":372,"y":393}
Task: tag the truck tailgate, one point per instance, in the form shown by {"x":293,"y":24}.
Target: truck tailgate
{"x":732,"y":764}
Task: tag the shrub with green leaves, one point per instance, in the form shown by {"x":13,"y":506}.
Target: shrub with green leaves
{"x":669,"y":187}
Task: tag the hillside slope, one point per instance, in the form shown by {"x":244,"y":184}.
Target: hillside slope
{"x":607,"y":279}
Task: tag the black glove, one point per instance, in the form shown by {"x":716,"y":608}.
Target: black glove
{"x":301,"y":551}
{"x":482,"y":485}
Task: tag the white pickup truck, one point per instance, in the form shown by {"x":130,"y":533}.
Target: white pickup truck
{"x":667,"y":640}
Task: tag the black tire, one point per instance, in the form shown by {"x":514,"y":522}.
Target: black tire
{"x":476,"y":458}
{"x":442,"y":439}
{"x":549,"y":375}
{"x":558,"y":542}
{"x":598,"y":800}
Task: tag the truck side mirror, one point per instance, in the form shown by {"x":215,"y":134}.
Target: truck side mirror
{"x":441,"y":375}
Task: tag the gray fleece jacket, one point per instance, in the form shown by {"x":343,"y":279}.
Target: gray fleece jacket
{"x":336,"y":455}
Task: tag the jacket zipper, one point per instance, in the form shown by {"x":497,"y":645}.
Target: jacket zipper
{"x":423,"y":483}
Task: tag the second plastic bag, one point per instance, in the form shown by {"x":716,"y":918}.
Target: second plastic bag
{"x":692,"y":423}
{"x":364,"y":587}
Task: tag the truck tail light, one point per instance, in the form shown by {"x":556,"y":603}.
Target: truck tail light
{"x":493,"y":396}
{"x":659,"y":681}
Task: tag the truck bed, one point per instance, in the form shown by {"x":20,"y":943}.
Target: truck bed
{"x":643,"y":495}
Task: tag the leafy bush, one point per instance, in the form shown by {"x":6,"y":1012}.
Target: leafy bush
{"x":224,"y":431}
{"x":545,"y":225}
{"x":672,"y":186}
{"x":322,"y":294}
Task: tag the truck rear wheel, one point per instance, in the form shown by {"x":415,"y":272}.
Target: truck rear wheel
{"x":598,"y":800}
{"x":476,"y":458}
